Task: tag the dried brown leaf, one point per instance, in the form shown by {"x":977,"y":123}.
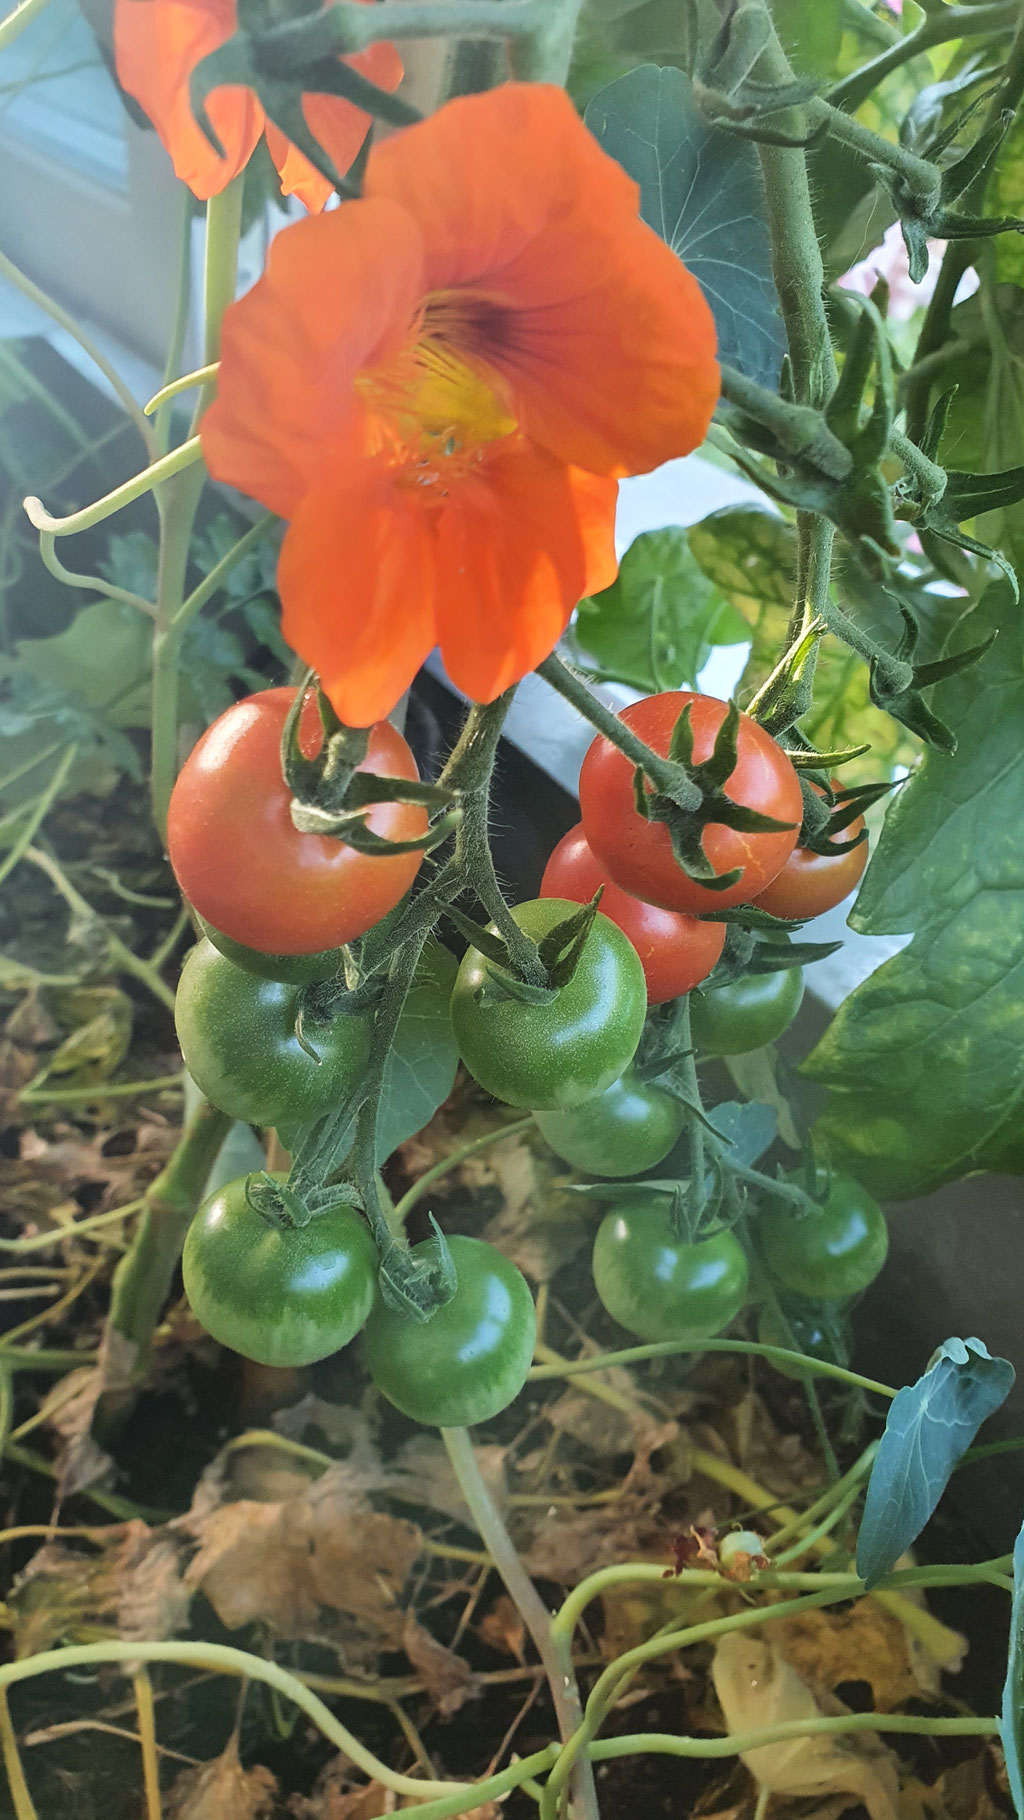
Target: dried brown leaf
{"x":223,"y":1790}
{"x":503,"y":1628}
{"x":284,"y":1564}
{"x":132,"y":1588}
{"x":450,"y":1681}
{"x":864,"y":1642}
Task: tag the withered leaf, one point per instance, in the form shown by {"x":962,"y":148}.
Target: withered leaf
{"x":282,"y":1564}
{"x":450,"y":1681}
{"x":757,"y":1687}
{"x":223,"y":1790}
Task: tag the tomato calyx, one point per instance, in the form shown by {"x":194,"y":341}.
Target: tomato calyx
{"x":420,"y":1285}
{"x":276,"y":1202}
{"x":558,"y":955}
{"x":847,"y":806}
{"x":332,"y":796}
{"x":689,"y":795}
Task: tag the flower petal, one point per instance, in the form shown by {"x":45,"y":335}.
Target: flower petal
{"x":518,"y":545}
{"x":356,"y":581}
{"x":338,"y":294}
{"x":603,"y":338}
{"x":157,"y":45}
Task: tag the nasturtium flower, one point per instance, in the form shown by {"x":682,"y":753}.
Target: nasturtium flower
{"x":158,"y":44}
{"x":440,"y":384}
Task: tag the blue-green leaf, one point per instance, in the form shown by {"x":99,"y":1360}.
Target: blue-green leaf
{"x":700,"y":189}
{"x":748,"y":1127}
{"x":931,"y":1425}
{"x":1012,"y":1727}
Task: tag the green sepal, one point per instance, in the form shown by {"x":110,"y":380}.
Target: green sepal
{"x":806,"y":759}
{"x":276,"y":1202}
{"x":561,"y":948}
{"x":418,"y":1287}
{"x":231,"y":65}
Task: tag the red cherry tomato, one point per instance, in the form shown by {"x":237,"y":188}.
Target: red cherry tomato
{"x":676,"y":952}
{"x":811,"y":883}
{"x":638,"y":853}
{"x":243,"y":864}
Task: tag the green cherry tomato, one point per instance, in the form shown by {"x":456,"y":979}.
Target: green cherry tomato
{"x":238,"y":1042}
{"x":625,"y":1130}
{"x":277,"y":1294}
{"x":293,"y":969}
{"x":658,"y":1286}
{"x":554,"y":1055}
{"x":471,"y":1358}
{"x":829,"y":1254}
{"x":746,"y":1013}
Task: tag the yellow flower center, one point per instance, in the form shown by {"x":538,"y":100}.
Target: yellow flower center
{"x":435,"y":413}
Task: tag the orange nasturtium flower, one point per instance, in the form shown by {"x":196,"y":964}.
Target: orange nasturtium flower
{"x":439,"y":385}
{"x":158,"y":43}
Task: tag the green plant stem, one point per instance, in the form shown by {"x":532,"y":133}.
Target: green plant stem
{"x":959,"y":254}
{"x":223,"y":1659}
{"x":17,"y":851}
{"x":473,"y":766}
{"x":553,"y":1648}
{"x":796,"y":255}
{"x":177,"y":503}
{"x":545,"y":54}
{"x":942,"y":27}
{"x":24,"y":1358}
{"x":799,"y":429}
{"x":120,"y":956}
{"x":921,"y":178}
{"x":353,"y":29}
{"x":663,"y":1349}
{"x":670,"y":1744}
{"x":96,"y":584}
{"x":163,"y":416}
{"x":122,"y":392}
{"x":184,"y":456}
{"x":851,"y":1479}
{"x":143,"y":1276}
{"x":41,"y":1241}
{"x":693,"y":1105}
{"x":200,"y":376}
{"x":104,"y":1090}
{"x":454,"y":1160}
{"x":575,"y":691}
{"x":608,"y":1686}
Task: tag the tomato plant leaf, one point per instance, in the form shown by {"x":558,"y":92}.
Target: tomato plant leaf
{"x":655,"y":627}
{"x":930,"y":1426}
{"x":923,"y":1062}
{"x":420,"y":1071}
{"x":1012,"y":1726}
{"x":748,"y":1129}
{"x":700,"y":189}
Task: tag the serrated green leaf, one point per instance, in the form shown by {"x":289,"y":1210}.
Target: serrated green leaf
{"x":654,"y":628}
{"x":700,"y":189}
{"x":929,"y":1428}
{"x":924,"y":1062}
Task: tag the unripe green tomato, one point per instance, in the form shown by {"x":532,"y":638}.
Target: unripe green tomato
{"x":470,"y":1359}
{"x":292,"y":969}
{"x":238,"y":1042}
{"x":658,"y":1286}
{"x":747,"y":1013}
{"x":281,"y":1295}
{"x":830,"y":1253}
{"x":623,"y":1131}
{"x":544,"y":1057}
